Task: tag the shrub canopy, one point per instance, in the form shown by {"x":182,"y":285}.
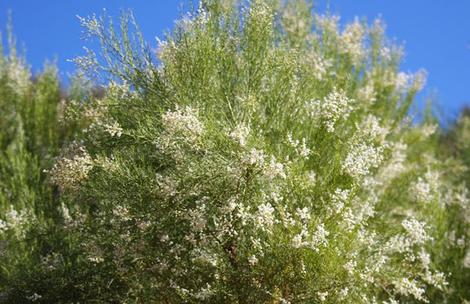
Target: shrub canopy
{"x":263,"y":155}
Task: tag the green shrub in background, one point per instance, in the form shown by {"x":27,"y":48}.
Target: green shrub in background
{"x":32,"y":132}
{"x":453,"y":147}
{"x":265,"y":155}
{"x":29,"y":140}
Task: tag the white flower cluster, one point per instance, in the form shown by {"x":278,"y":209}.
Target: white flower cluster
{"x":240,"y":134}
{"x":361,"y":159}
{"x":113,"y":128}
{"x":117,"y":90}
{"x":396,"y":164}
{"x":34,"y":297}
{"x":254,"y":157}
{"x":466,"y":260}
{"x":91,"y":24}
{"x":68,"y":173}
{"x":183,"y":120}
{"x":328,"y":24}
{"x":370,"y":128}
{"x":265,"y":217}
{"x":405,"y":81}
{"x":320,"y":66}
{"x":422,"y":191}
{"x":339,"y":199}
{"x":351,"y":42}
{"x":19,"y":75}
{"x":167,"y":185}
{"x":367,"y":93}
{"x":411,"y":287}
{"x":319,"y":237}
{"x":428,"y":129}
{"x":190,"y":20}
{"x":259,"y":11}
{"x":14,"y":221}
{"x":335,"y":106}
{"x":437,"y":278}
{"x":181,"y":126}
{"x":461,"y":197}
{"x":402,"y":81}
{"x":300,"y":147}
{"x":416,"y":235}
{"x":322,"y":296}
{"x":314,"y":241}
{"x":416,"y":231}
{"x":304,"y":214}
{"x":272,"y":169}
{"x":427,"y":187}
{"x":275,"y":169}
{"x":197,"y":218}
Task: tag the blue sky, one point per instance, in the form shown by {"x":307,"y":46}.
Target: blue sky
{"x":436,"y":34}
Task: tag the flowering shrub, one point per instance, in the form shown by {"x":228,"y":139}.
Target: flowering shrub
{"x":265,"y":156}
{"x":32,"y":131}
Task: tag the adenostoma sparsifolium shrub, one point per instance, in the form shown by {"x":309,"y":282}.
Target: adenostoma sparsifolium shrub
{"x":263,"y":155}
{"x":32,"y":131}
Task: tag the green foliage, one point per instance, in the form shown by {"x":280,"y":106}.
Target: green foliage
{"x":31,"y":137}
{"x":264,"y":156}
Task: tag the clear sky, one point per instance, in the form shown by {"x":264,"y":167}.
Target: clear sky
{"x":436,"y":34}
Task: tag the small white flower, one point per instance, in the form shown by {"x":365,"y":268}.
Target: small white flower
{"x":350,"y":266}
{"x":466,"y":260}
{"x":322,"y":296}
{"x":304,"y":213}
{"x":254,"y":157}
{"x":253,"y":260}
{"x":240,"y":134}
{"x":343,"y":293}
{"x":34,"y":297}
{"x":96,"y":259}
{"x":304,"y":150}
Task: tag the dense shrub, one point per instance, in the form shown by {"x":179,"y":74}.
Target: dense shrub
{"x":265,"y":155}
{"x":32,"y":132}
